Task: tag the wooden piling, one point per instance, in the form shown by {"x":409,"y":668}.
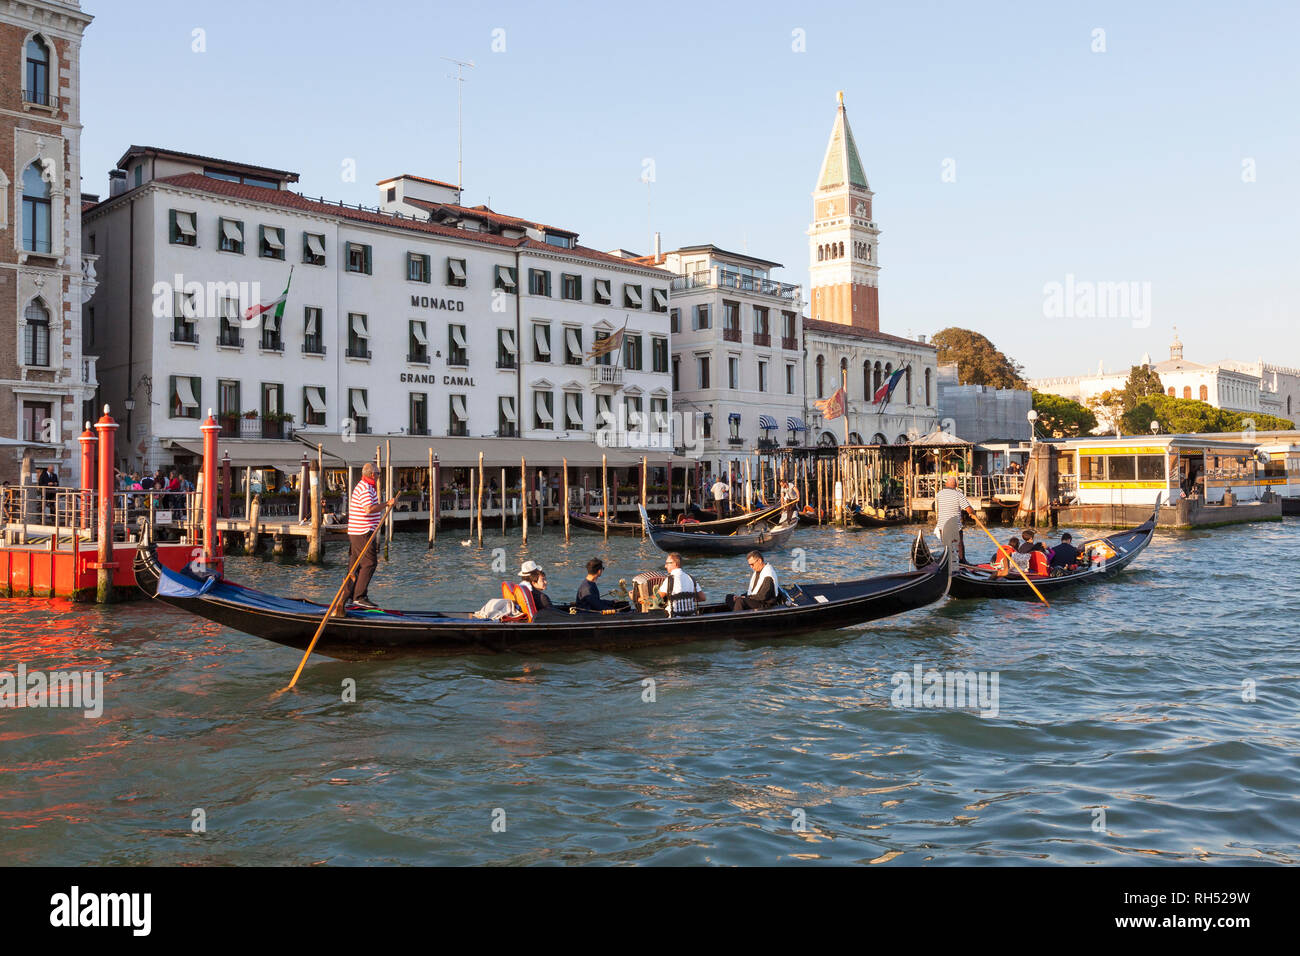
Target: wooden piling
{"x":433,"y":501}
{"x":643,"y":490}
{"x":314,"y":538}
{"x":503,"y":502}
{"x":473,"y":475}
{"x":523,"y":496}
{"x":480,"y":499}
{"x":254,"y":524}
{"x":565,"y":500}
{"x":604,"y":492}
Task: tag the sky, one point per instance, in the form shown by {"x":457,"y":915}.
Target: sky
{"x":1072,"y":180}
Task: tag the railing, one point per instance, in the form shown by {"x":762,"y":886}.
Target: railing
{"x":185,"y":334}
{"x":417,"y":358}
{"x":979,"y":487}
{"x":735,"y":441}
{"x":606,"y":375}
{"x":31,"y":512}
{"x":231,"y":340}
{"x":731,"y":335}
{"x":727,"y":279}
{"x":257,"y":427}
{"x":762,"y":339}
{"x":313,"y":348}
{"x":272,"y":345}
{"x":41,"y":98}
{"x":360,"y":352}
{"x":89,"y":372}
{"x":789,"y":342}
{"x":508,"y":363}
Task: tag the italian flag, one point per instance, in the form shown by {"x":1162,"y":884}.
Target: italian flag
{"x":275,"y":305}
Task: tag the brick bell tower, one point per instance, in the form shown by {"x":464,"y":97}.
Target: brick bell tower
{"x":843,"y":240}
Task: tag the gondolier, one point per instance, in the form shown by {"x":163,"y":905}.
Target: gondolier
{"x":721,"y":493}
{"x":949,"y":504}
{"x":364,"y":515}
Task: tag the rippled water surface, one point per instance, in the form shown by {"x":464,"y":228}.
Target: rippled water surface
{"x":1121,"y":734}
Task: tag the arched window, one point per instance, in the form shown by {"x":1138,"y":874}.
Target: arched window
{"x":855,"y":438}
{"x":868,"y":256}
{"x":821,"y":376}
{"x":1288,"y":404}
{"x":876,"y":385}
{"x":866,"y":380}
{"x":909,"y":385}
{"x":36,"y":87}
{"x":827,"y":440}
{"x":36,"y":338}
{"x":36,"y":210}
{"x":1173,"y":392}
{"x":841,"y":248}
{"x":927,"y":386}
{"x":1205,"y":393}
{"x":1187,"y":391}
{"x":820,"y":253}
{"x":889,"y":371}
{"x":879,"y":439}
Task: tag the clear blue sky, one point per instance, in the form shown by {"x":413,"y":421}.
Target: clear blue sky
{"x":1118,"y":166}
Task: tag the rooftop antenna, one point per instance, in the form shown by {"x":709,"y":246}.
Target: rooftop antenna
{"x":460,"y":113}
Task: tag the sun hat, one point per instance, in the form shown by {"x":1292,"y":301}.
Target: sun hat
{"x":528,"y":568}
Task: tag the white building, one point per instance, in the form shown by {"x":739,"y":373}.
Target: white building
{"x":420,"y":316}
{"x":737,"y":352}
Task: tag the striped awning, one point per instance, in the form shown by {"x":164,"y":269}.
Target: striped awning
{"x":734,"y":417}
{"x":766,"y":422}
{"x":795,"y":425}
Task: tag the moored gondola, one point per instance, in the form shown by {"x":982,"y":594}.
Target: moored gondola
{"x":873,"y":518}
{"x":768,"y":538}
{"x":1116,"y":552}
{"x":719,"y":526}
{"x":364,"y":634}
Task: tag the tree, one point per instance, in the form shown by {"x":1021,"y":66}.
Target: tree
{"x":1060,"y":417}
{"x":978,"y":361}
{"x":1108,"y":406}
{"x":1189,"y":416}
{"x":1142,"y":381}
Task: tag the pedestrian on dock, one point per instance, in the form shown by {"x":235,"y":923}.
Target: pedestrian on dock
{"x":364,"y":514}
{"x":49,"y":481}
{"x":949,"y":504}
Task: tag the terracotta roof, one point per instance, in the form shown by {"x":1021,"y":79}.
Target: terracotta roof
{"x":835,"y":328}
{"x":418,"y":179}
{"x":487,"y":215}
{"x":209,"y":160}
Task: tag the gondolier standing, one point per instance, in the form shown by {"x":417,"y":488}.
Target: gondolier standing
{"x":949,"y":504}
{"x":364,"y":515}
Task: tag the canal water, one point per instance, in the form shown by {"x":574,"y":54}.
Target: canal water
{"x":1155,"y":719}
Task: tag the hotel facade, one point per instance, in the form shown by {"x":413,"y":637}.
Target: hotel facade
{"x":420,"y":316}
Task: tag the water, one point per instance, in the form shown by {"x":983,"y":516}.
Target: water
{"x":1126,"y":697}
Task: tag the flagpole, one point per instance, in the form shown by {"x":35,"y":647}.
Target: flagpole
{"x":844,"y":384}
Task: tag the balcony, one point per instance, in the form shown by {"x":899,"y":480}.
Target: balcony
{"x":257,"y":427}
{"x":718,"y":278}
{"x":185,"y":335}
{"x":611,"y":375}
{"x":417,"y":358}
{"x":230,"y":340}
{"x":506,"y":362}
{"x":89,"y":277}
{"x":731,"y":335}
{"x":790,"y":342}
{"x":763,"y":339}
{"x":41,"y":98}
{"x":89,"y":375}
{"x":419,"y":431}
{"x":734,"y":440}
{"x":313,"y":348}
{"x":272,"y":345}
{"x":358,"y":352}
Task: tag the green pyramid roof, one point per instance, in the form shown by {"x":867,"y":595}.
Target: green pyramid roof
{"x":841,"y":155}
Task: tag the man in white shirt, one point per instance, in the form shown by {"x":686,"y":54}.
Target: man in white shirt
{"x":679,"y":589}
{"x":720,"y":493}
{"x":764,"y":591}
{"x":949,"y":504}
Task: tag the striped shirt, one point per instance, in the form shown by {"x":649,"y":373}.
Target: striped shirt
{"x":364,"y":495}
{"x":948,"y":504}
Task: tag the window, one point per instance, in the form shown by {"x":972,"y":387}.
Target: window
{"x":271,"y":341}
{"x":543,"y":410}
{"x":38,"y":421}
{"x":539,"y":282}
{"x":631,"y":296}
{"x":573,"y":411}
{"x":505,"y":348}
{"x":36,"y":210}
{"x":357,"y":258}
{"x":821,"y":376}
{"x":605,"y":358}
{"x":313,"y":249}
{"x":789,"y":379}
{"x":271,"y":244}
{"x":229,"y":336}
{"x":632,"y":353}
{"x":659,"y":420}
{"x":507,"y":420}
{"x":1122,"y":468}
{"x":272,"y":409}
{"x":635,"y":420}
{"x":182,"y":231}
{"x":867,"y":392}
{"x":418,"y":414}
{"x":675,"y":321}
{"x":418,"y":267}
{"x":541,"y":342}
{"x":37,"y":83}
{"x":702,"y":365}
{"x":730,"y":315}
{"x":505,"y":279}
{"x":707,"y":426}
{"x":359,"y":410}
{"x":600,"y":292}
{"x":456,"y":275}
{"x":1187,"y":391}
{"x":788,"y":329}
{"x":262,"y":182}
{"x":761,"y":321}
{"x":658,"y":300}
{"x":659,"y":353}
{"x":417,"y":343}
{"x":762,"y":376}
{"x":733,"y":372}
{"x":184,"y":313}
{"x":458,"y":419}
{"x":927,"y":386}
{"x":571,"y":287}
{"x":701,"y":318}
{"x":36,"y":336}
{"x":88,"y":333}
{"x":228,"y":405}
{"x":1205,"y":393}
{"x":313,"y":338}
{"x":313,"y":405}
{"x":555,"y":239}
{"x":677,"y":374}
{"x":230,"y":236}
{"x":1151,"y":467}
{"x":457,"y":350}
{"x":185,"y":393}
{"x":573,"y":346}
{"x":358,"y":336}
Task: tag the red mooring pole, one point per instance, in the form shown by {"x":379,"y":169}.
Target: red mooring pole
{"x":210,"y":430}
{"x":89,"y":443}
{"x":105,"y":566}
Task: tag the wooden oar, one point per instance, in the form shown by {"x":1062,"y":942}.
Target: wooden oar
{"x":338,"y":597}
{"x":998,"y":547}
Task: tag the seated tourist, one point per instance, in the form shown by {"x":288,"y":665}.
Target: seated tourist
{"x":534,"y":578}
{"x":588,"y":597}
{"x":764,"y":591}
{"x":679,"y":589}
{"x":1030,"y":542}
{"x":1065,"y":556}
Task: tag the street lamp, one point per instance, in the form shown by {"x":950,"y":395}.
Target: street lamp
{"x":1155,"y":428}
{"x":1032,"y":416}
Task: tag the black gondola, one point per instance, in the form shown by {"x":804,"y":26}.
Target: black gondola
{"x":769,"y":538}
{"x":969,"y":581}
{"x":720,"y":526}
{"x":873,"y":518}
{"x":366,"y":634}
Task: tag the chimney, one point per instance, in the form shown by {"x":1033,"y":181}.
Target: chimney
{"x":116,"y":182}
{"x":921,"y":339}
{"x":657,"y":253}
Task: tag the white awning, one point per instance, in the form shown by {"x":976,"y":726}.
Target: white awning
{"x":316,"y":399}
{"x":271,"y":321}
{"x":508,"y":341}
{"x":272,"y":237}
{"x":505,"y":278}
{"x":185,"y":223}
{"x":602,"y":288}
{"x":575,"y":344}
{"x":542,"y":413}
{"x":359,"y":408}
{"x":661,"y":297}
{"x":186,"y":307}
{"x":633,"y":293}
{"x":315,"y":245}
{"x":185,"y":393}
{"x":458,"y":408}
{"x":458,"y":336}
{"x":311,"y":324}
{"x":602,"y":404}
{"x":359,"y":326}
{"x":231,"y":230}
{"x":571,"y":407}
{"x":508,"y":409}
{"x":417,"y":330}
{"x":457,"y":268}
{"x":539,"y":336}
